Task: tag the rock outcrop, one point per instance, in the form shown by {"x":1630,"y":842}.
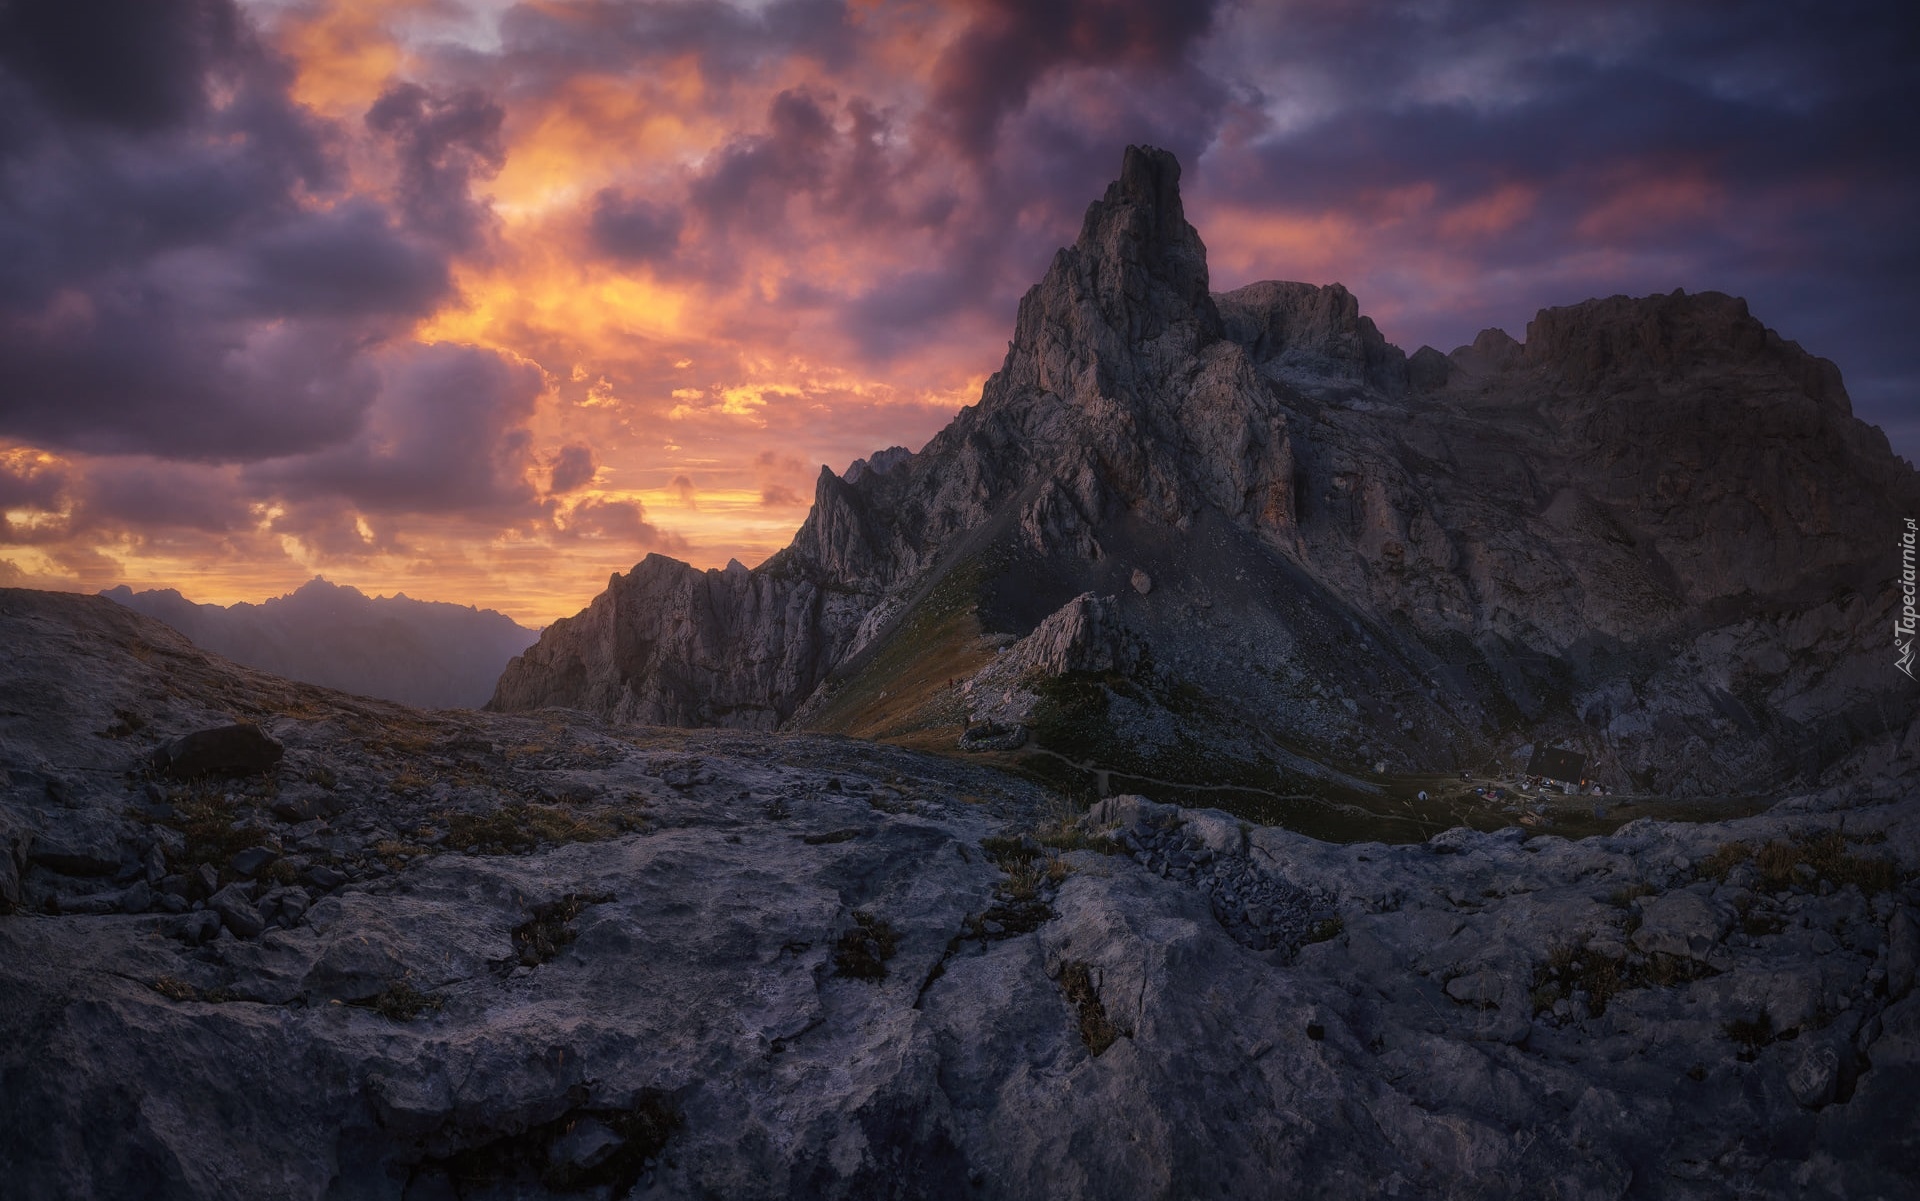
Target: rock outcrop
{"x":1653,"y":532}
{"x":538,"y":956}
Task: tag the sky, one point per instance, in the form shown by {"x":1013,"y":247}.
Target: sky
{"x":485,"y":301}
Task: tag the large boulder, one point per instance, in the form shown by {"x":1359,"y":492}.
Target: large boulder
{"x":241,"y":749}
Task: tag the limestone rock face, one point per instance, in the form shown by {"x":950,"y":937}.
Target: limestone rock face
{"x":544,"y":957}
{"x":742,"y":649}
{"x":1318,"y":332}
{"x":1652,"y":532}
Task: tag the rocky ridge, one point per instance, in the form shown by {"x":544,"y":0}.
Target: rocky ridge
{"x":1652,"y":532}
{"x":482,"y":955}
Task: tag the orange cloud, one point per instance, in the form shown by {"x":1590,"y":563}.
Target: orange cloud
{"x":1492,"y":214}
{"x":1641,"y":203}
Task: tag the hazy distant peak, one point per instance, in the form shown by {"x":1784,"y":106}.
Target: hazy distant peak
{"x":427,"y":653}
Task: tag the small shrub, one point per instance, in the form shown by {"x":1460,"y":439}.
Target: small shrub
{"x":644,"y":1130}
{"x":206,"y":817}
{"x":541,"y":936}
{"x":1097,"y":1030}
{"x":1569,"y":969}
{"x":1828,"y":855}
{"x":1667,"y":970}
{"x":1068,"y":834}
{"x":1723,"y":860}
{"x":400,"y":1001}
{"x":862,"y":952}
{"x":1756,"y":924}
{"x":1624,"y":897}
{"x":1008,"y":849}
{"x":518,"y":828}
{"x":1023,"y":881}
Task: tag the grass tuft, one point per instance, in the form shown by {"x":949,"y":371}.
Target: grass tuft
{"x":1828,"y":854}
{"x":862,"y":952}
{"x":400,"y":1001}
{"x":519,"y":828}
{"x":1624,"y":897}
{"x":1097,"y":1030}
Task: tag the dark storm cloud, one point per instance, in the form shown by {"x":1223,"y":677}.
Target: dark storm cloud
{"x":754,"y":179}
{"x":444,"y":143}
{"x":160,"y":496}
{"x":183,"y":268}
{"x":616,"y":521}
{"x":29,"y":483}
{"x":633,"y":229}
{"x":342,"y":263}
{"x":132,"y":63}
{"x":990,"y":71}
{"x":572,"y":468}
{"x":551,"y":43}
{"x":448,"y":436}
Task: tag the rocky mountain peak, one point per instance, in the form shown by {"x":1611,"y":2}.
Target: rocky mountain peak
{"x":1599,"y":345}
{"x":1624,"y":535}
{"x":1318,"y":330}
{"x":1139,"y":229}
{"x":1134,"y":281}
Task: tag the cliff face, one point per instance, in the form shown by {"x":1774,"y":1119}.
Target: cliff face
{"x":1653,"y":530}
{"x":670,"y":645}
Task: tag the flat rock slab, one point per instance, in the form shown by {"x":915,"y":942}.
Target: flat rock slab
{"x":1681,"y":923}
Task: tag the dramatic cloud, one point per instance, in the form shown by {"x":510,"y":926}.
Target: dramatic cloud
{"x":485,"y":300}
{"x":573,"y":468}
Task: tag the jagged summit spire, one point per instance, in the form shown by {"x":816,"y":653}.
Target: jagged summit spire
{"x":1136,"y":274}
{"x":1142,"y":248}
{"x":1150,"y":180}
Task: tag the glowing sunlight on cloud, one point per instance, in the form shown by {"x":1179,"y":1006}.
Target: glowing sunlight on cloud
{"x":487,"y":300}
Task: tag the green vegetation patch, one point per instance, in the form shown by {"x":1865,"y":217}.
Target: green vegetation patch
{"x":1571,"y":969}
{"x":1826,"y":855}
{"x":211,"y":822}
{"x":863,"y":950}
{"x":400,"y":1001}
{"x":519,"y":828}
{"x":550,"y":927}
{"x":1097,"y":1030}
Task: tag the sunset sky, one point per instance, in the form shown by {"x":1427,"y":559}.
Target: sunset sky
{"x":483,"y":301}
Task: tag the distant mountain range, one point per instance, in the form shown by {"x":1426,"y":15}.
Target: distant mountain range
{"x":425,"y":653}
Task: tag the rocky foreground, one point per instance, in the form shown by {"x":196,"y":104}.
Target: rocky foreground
{"x":368,"y":951}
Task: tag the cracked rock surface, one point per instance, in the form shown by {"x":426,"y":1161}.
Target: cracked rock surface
{"x":481,"y":955}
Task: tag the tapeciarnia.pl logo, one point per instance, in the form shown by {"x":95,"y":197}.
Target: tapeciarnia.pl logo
{"x":1903,"y":626}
